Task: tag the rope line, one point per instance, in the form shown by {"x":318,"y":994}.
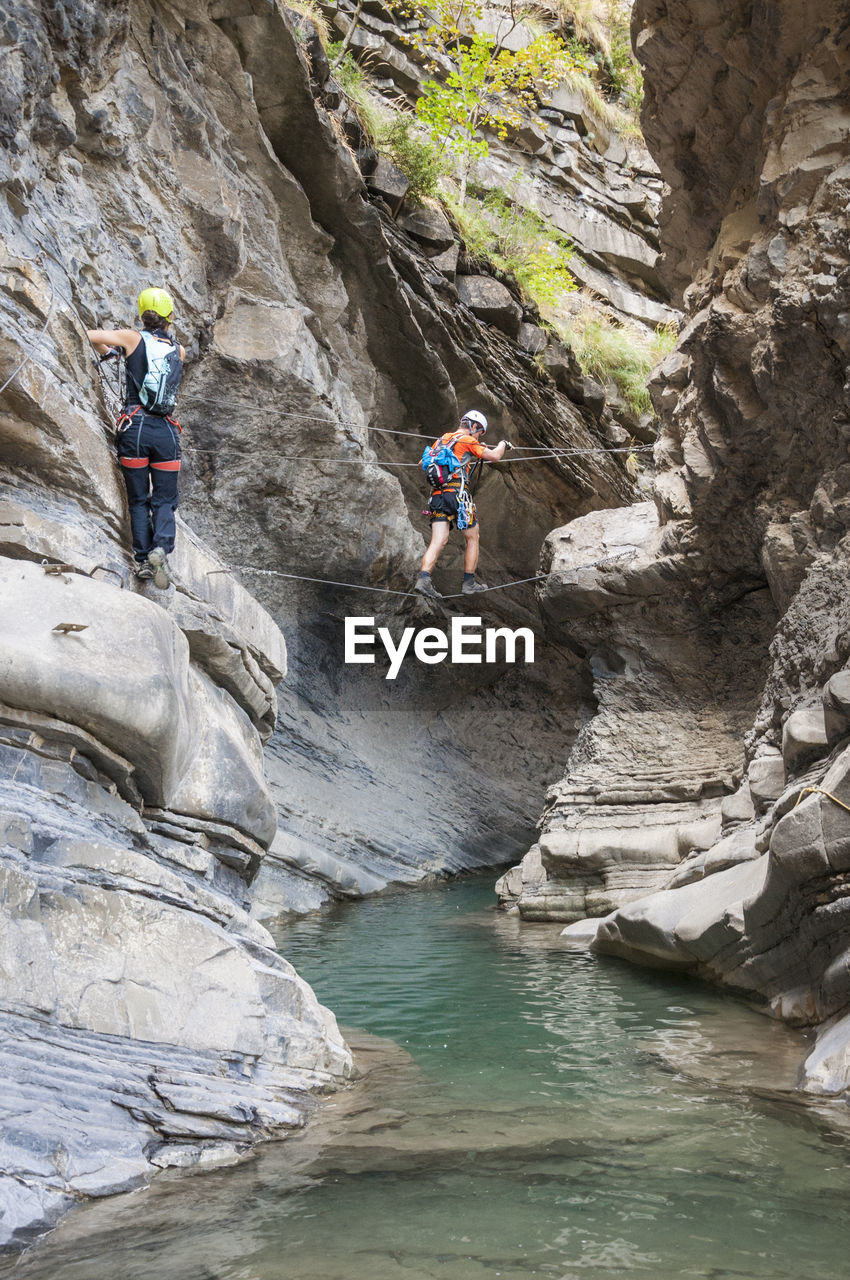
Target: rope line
{"x":550,"y":450}
{"x":390,"y":591}
{"x":547,"y":451}
{"x":381,"y":462}
{"x":542,"y":453}
{"x":29,"y":354}
{"x":820,"y":791}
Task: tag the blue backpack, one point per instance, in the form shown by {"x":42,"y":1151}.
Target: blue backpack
{"x":158,"y":391}
{"x":439,"y":460}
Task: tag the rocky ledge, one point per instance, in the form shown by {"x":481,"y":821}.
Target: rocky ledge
{"x":746,"y":115}
{"x":148,"y":1020}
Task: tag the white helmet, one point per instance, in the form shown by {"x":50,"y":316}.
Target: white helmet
{"x":475,"y":418}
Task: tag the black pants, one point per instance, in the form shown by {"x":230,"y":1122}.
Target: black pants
{"x":149,"y":453}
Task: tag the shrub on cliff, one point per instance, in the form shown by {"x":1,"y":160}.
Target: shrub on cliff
{"x":391,"y":130}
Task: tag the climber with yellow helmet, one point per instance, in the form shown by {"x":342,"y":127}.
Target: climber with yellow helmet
{"x":147,"y":432}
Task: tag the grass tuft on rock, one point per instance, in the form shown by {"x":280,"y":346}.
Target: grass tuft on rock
{"x":392,"y":130}
{"x":312,"y":9}
{"x":517,"y":241}
{"x":607,"y":74}
{"x":613,"y":352}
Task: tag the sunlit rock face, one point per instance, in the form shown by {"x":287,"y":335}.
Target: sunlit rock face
{"x":157,"y":798}
{"x":598,"y":188}
{"x":746,"y":115}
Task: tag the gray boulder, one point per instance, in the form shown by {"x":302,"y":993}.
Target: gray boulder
{"x":804,"y":738}
{"x":836,"y":707}
{"x":429,"y":225}
{"x":387,"y":181}
{"x":447,"y":261}
{"x":559,"y":361}
{"x":766,"y":776}
{"x":532,"y":338}
{"x":491,"y":302}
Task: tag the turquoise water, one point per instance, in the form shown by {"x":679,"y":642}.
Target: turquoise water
{"x":546,"y":1113}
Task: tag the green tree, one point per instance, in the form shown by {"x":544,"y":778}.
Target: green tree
{"x":488,"y":84}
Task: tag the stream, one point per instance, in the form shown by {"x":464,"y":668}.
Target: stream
{"x":539,"y":1112}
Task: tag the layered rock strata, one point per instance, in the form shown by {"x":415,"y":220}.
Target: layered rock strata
{"x":648,"y":773}
{"x":309,"y":317}
{"x":150,"y":1021}
{"x":746,"y":114}
{"x":564,"y":162}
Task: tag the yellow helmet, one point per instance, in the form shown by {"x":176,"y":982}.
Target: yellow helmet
{"x":156,"y":300}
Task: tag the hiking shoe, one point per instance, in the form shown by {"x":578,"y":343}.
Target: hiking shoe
{"x":157,"y":562}
{"x":142,"y":570}
{"x":425,"y":587}
{"x":470,"y":588}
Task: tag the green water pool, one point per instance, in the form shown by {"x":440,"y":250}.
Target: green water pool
{"x":545,"y":1113}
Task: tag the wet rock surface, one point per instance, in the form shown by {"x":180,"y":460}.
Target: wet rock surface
{"x":745,"y":114}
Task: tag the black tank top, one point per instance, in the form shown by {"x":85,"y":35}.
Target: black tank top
{"x":136,"y":365}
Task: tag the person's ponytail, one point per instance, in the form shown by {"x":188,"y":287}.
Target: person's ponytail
{"x":154,"y":322}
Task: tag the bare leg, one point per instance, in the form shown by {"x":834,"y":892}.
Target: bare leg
{"x":470,"y":552}
{"x":439,"y":538}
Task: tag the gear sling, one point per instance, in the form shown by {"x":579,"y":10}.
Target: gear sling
{"x":441,"y":464}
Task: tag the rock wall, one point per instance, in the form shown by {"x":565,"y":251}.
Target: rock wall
{"x":648,"y":773}
{"x":746,"y":114}
{"x":564,"y":162}
{"x":156,"y":799}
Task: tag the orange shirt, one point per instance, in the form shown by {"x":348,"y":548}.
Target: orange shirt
{"x":463,"y":445}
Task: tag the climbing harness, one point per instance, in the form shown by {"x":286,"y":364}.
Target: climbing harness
{"x":441,"y":465}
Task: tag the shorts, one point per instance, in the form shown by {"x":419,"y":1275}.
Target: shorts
{"x":443,"y":507}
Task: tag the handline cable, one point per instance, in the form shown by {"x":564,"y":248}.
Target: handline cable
{"x":31,"y":353}
{"x":390,"y":591}
{"x":548,"y":451}
{"x":380,"y":462}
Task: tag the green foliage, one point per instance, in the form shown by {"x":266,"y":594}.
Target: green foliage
{"x":352,"y":79}
{"x":487,"y":86}
{"x":416,"y":157}
{"x":582,"y":61}
{"x":518,"y":241}
{"x":544,"y":274}
{"x":600,"y":44}
{"x":623,"y":69}
{"x":618,"y":353}
{"x":391,"y":131}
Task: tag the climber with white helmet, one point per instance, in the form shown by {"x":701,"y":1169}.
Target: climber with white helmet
{"x":147,"y":432}
{"x":447,"y":465}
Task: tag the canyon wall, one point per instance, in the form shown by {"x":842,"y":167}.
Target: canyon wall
{"x":746,"y":549}
{"x":161,"y":788}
